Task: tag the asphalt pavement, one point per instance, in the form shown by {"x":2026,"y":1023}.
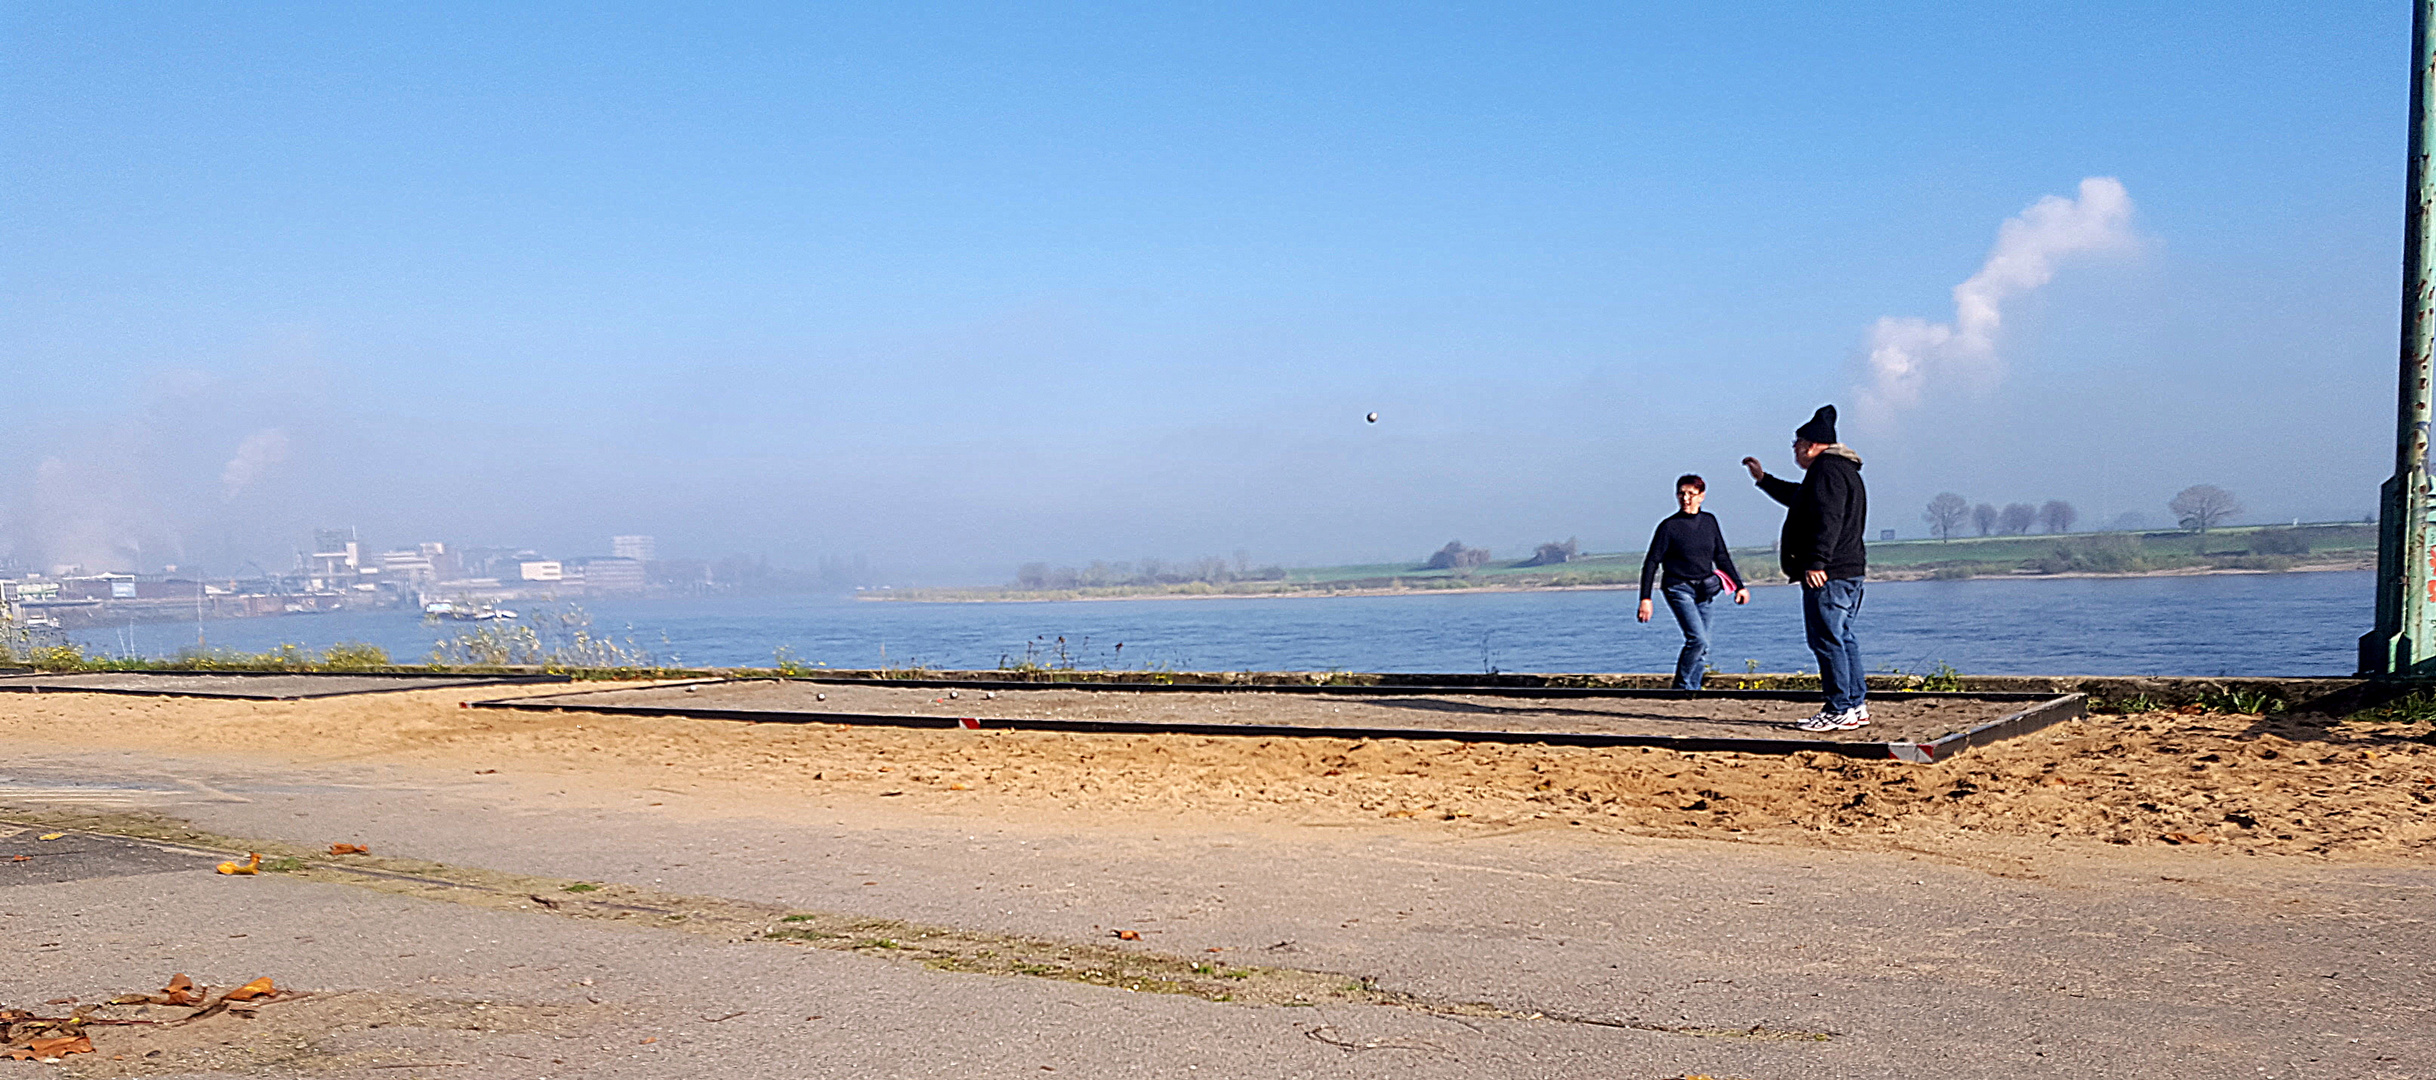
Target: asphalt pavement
{"x":1577,"y":954}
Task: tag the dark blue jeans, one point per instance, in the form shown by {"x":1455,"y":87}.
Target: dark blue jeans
{"x":1827,"y":614}
{"x":1690,"y":602}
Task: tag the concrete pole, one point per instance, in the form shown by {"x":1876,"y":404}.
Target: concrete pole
{"x":2404,"y":642}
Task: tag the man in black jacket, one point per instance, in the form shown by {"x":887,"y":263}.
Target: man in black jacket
{"x":1826,"y":516}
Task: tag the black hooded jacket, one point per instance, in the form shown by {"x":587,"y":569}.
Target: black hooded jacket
{"x":1826,"y":516}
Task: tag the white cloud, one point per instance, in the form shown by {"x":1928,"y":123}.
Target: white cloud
{"x":1911,"y":358}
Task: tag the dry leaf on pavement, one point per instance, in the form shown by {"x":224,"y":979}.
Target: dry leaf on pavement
{"x":258,"y":988}
{"x":52,"y":1049}
{"x":180,"y":991}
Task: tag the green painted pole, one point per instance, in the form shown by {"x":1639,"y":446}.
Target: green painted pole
{"x":2404,"y":642}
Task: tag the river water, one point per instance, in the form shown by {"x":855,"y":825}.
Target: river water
{"x":2245,"y":624}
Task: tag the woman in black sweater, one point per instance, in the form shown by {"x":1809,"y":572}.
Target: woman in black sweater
{"x":1692,"y":549}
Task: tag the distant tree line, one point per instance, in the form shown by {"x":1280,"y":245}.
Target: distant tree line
{"x":1949,"y":513}
{"x":2200,"y":507}
{"x":1455,"y":556}
{"x":1554,"y":552}
{"x":1210,"y":570}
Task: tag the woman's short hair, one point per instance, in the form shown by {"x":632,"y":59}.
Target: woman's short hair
{"x":1689,"y":480}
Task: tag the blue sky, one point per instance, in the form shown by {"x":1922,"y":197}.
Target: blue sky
{"x":957,"y":287}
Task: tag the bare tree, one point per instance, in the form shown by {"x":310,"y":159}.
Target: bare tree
{"x":1945,"y":514}
{"x":2203,"y":506}
{"x":2057,"y":516}
{"x":1984,"y":516}
{"x":2016,"y":518}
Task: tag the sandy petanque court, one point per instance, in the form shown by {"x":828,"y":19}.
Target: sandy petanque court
{"x":1894,"y":717}
{"x":2185,"y":777}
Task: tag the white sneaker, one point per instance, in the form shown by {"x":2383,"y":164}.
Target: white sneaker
{"x":1855,"y":717}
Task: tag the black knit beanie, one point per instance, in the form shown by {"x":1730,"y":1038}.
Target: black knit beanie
{"x":1820,"y":429}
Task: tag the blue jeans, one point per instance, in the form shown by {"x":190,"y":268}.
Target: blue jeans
{"x":1690,"y":603}
{"x":1827,"y":614}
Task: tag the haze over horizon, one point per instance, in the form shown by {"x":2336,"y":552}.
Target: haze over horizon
{"x":954,"y":288}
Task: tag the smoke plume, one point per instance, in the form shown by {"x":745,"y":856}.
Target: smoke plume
{"x":254,"y":458}
{"x":1909,"y":357}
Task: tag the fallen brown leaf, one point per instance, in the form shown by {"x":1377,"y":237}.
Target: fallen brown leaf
{"x":349,"y":849}
{"x":252,"y":865}
{"x":53,"y":1049}
{"x":258,"y":988}
{"x":1127,"y":935}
